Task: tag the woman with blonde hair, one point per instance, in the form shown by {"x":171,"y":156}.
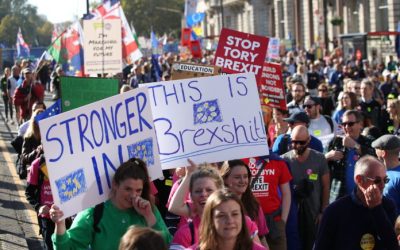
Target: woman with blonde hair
{"x":223,"y":224}
{"x":32,"y":145}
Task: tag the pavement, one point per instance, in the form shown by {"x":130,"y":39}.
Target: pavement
{"x":18,"y":222}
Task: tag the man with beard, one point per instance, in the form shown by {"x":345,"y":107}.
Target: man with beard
{"x":298,"y":92}
{"x":343,"y":152}
{"x":311,"y":184}
{"x":387,"y":148}
{"x":365,"y":219}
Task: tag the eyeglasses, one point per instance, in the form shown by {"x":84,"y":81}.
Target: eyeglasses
{"x":302,"y":143}
{"x":378,"y":180}
{"x":308,"y":106}
{"x":323,"y":90}
{"x":350,"y":124}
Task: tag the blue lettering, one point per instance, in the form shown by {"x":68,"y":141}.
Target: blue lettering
{"x":66,"y":122}
{"x":183,"y":92}
{"x":130,"y":115}
{"x":122,"y":124}
{"x":229,"y":132}
{"x":141,"y":107}
{"x":236,"y":128}
{"x":109,"y":125}
{"x":230,"y":86}
{"x":82,"y":130}
{"x":243,"y":84}
{"x":198,"y":133}
{"x":195,"y":88}
{"x":108,"y":162}
{"x":251,"y":132}
{"x":167,"y":132}
{"x":97,"y":175}
{"x":92,"y":115}
{"x":181,"y":137}
{"x":214,"y":134}
{"x":170,"y":94}
{"x":153,"y":92}
{"x":49,"y":139}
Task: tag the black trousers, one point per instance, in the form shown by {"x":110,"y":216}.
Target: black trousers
{"x":46,"y":229}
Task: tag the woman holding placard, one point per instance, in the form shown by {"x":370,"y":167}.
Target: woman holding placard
{"x":129,"y":204}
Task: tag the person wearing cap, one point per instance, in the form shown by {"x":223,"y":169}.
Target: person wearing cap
{"x":344,"y":151}
{"x":387,"y":148}
{"x":310,"y":182}
{"x":282,"y":143}
{"x":365,"y":218}
{"x":321,"y":126}
{"x":298,"y":93}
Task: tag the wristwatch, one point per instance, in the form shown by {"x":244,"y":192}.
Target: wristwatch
{"x":357,"y":146}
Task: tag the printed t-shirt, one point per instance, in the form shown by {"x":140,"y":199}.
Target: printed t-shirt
{"x":266,"y":188}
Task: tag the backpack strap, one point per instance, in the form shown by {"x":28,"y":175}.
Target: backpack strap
{"x":329,"y":120}
{"x":97,"y":214}
{"x":191,"y":227}
{"x":284,"y":144}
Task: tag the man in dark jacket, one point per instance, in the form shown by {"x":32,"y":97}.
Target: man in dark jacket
{"x":343,"y":152}
{"x":364,"y":219}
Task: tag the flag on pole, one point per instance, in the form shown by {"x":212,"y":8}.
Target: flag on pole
{"x":112,"y":9}
{"x":53,"y":110}
{"x":23,"y":50}
{"x":67,"y":50}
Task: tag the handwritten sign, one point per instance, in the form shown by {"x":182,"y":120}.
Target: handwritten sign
{"x":102,"y":46}
{"x":79,"y":91}
{"x":191,"y":70}
{"x":85,"y":146}
{"x":272,"y":91}
{"x":208,"y":119}
{"x":241,"y":52}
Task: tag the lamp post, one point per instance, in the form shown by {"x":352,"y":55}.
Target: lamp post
{"x":221,"y":4}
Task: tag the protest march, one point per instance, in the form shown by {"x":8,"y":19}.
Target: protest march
{"x":236,"y":140}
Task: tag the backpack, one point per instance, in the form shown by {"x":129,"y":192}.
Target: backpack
{"x":329,"y":120}
{"x":284,"y":145}
{"x":97,"y":214}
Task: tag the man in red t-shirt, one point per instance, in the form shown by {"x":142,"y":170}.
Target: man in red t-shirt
{"x":272,"y":190}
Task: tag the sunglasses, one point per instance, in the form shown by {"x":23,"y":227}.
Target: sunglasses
{"x":302,"y":143}
{"x":308,"y":106}
{"x":378,"y":180}
{"x":350,"y":124}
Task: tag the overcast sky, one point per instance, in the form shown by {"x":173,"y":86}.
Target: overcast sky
{"x":60,"y":10}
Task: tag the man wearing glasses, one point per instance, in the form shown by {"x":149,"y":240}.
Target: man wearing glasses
{"x":364,"y":219}
{"x":311,"y":184}
{"x":343,"y":153}
{"x":387,"y":148}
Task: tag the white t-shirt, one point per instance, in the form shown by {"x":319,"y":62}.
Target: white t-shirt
{"x":321,"y":129}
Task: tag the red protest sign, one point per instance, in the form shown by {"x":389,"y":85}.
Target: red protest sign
{"x":185,"y":37}
{"x":241,"y":52}
{"x":195,"y":49}
{"x":270,"y":86}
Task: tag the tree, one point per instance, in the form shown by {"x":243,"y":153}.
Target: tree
{"x":158,"y":15}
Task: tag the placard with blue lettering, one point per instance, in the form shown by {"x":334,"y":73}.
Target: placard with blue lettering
{"x":208,"y":119}
{"x":85,"y":146}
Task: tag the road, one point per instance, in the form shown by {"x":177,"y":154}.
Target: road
{"x":18,"y":223}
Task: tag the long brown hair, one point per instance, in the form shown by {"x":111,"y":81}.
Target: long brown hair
{"x":208,"y":234}
{"x":250,"y":202}
{"x":136,"y":169}
{"x":33,"y":127}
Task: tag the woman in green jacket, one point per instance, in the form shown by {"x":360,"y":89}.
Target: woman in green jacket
{"x":129,"y":204}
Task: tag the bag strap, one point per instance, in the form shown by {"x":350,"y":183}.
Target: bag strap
{"x":191,"y":227}
{"x":97,"y":214}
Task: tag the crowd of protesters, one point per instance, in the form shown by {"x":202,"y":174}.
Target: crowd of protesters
{"x":331,"y":180}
